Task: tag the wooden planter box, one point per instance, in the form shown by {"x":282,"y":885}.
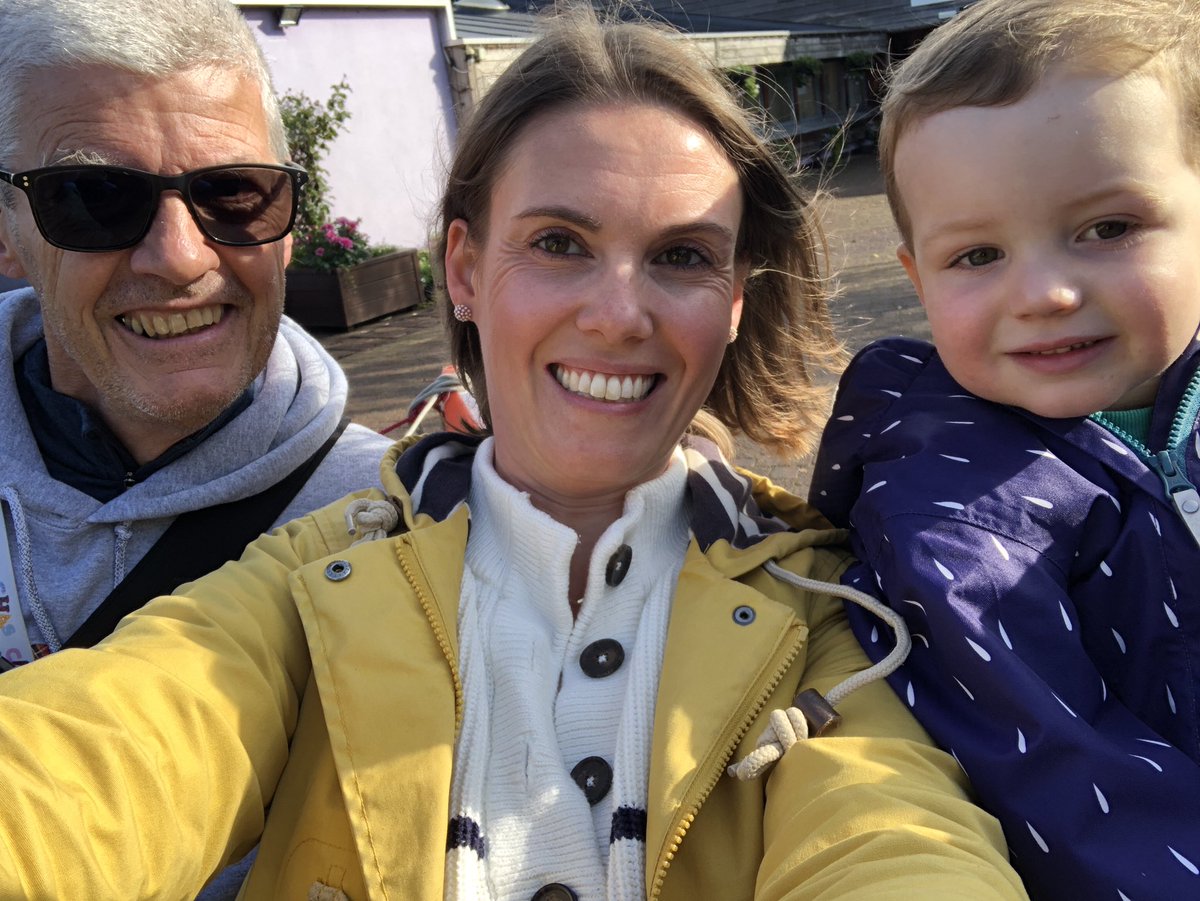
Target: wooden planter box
{"x":343,"y":299}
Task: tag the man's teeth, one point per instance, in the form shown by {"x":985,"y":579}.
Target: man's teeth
{"x":1062,"y":350}
{"x":605,"y":387}
{"x":161,"y":325}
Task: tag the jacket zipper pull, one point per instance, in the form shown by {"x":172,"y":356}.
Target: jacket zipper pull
{"x":1181,"y":492}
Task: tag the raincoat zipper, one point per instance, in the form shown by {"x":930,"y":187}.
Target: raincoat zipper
{"x":686,"y":820}
{"x":403,"y":549}
{"x":1170,"y":464}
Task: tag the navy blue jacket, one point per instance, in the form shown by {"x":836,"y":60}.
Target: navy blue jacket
{"x":1052,"y":587}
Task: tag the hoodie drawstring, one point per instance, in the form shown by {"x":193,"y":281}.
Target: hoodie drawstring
{"x":810,"y":713}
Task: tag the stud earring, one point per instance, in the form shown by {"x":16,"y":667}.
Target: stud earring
{"x":732,"y":333}
{"x":462,"y":312}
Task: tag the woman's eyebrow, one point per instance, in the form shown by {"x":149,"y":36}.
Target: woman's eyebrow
{"x":591,"y":224}
{"x":582,"y":220}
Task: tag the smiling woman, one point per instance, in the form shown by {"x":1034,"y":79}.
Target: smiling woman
{"x":525,"y":670}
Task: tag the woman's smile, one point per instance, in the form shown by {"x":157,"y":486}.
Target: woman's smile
{"x":597,"y":385}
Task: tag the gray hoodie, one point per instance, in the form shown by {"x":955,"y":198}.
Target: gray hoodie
{"x":69,"y":550}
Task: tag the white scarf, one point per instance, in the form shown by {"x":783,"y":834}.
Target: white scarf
{"x":519,"y":821}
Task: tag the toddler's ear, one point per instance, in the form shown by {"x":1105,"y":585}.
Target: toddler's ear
{"x":909,"y":262}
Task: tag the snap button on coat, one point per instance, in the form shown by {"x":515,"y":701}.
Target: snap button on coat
{"x":744,"y":615}
{"x":338,"y":570}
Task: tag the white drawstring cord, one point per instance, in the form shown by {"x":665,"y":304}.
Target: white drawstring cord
{"x":370,"y":519}
{"x":786,"y":727}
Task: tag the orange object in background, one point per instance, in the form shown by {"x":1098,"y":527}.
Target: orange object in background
{"x":450,"y":398}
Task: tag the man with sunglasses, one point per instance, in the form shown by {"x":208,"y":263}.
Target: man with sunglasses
{"x":145,"y":196}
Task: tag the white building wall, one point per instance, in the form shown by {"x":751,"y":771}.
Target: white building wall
{"x":386,"y":168}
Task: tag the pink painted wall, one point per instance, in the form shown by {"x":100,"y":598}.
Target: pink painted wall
{"x":386,"y":168}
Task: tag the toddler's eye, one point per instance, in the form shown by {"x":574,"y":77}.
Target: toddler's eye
{"x":1106,"y":231}
{"x":980,"y":256}
{"x":682,"y":256}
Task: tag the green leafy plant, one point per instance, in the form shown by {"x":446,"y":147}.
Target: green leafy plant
{"x":425,"y":272}
{"x":321,"y":242}
{"x":311,"y":127}
{"x":746,"y":78}
{"x":806,"y":68}
{"x":860,"y":60}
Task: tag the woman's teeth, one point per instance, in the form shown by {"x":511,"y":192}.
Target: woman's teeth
{"x":163,"y":325}
{"x":604,"y":387}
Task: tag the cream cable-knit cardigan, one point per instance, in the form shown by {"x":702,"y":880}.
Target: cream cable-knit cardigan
{"x":531,"y":713}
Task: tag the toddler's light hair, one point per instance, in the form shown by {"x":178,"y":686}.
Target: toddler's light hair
{"x":997,"y":51}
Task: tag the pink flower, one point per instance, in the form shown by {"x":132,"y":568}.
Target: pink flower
{"x":320,"y":251}
{"x":346,"y":243}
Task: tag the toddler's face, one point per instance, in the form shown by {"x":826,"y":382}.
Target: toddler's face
{"x":1056,"y":242}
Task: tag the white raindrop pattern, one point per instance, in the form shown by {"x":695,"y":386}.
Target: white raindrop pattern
{"x":1041,"y":842}
{"x":1004,"y":635}
{"x":1148,"y":760}
{"x":1191,"y":867}
{"x":1065,"y":706}
{"x":980,"y":650}
{"x":1051,"y":506}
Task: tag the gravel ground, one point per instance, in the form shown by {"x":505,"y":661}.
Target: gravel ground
{"x":388,"y":361}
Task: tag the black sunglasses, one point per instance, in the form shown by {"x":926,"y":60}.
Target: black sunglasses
{"x":96,"y":209}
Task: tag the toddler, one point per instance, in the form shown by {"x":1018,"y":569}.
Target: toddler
{"x":1023,"y":491}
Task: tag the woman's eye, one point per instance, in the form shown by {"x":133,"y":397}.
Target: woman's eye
{"x":1106,"y":231}
{"x":682,"y":256}
{"x":559,"y":245}
{"x":980,"y":256}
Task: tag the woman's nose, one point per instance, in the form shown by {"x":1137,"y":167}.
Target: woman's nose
{"x":617,"y":305}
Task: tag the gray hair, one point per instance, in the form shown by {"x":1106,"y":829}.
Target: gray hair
{"x":142,"y":37}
